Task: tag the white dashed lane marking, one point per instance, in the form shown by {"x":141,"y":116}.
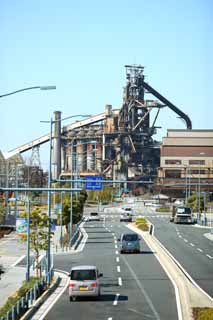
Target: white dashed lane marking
{"x":191,"y":244}
{"x":119,"y":281}
{"x":115,"y":302}
{"x":117,"y":259}
{"x":198,"y":249}
{"x":118,"y":269}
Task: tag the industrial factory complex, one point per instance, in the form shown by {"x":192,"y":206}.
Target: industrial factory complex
{"x":119,"y":144}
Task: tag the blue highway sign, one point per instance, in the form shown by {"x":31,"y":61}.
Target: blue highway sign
{"x":93,"y":183}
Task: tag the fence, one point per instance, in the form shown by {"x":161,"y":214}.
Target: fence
{"x":27,"y":301}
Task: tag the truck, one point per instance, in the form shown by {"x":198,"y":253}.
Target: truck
{"x":182,"y":214}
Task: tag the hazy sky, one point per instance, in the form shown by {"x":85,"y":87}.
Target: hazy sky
{"x":82,"y":47}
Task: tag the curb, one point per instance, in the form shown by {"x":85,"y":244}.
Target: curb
{"x":78,"y":241}
{"x":28,"y":315}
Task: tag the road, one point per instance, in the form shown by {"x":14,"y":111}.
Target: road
{"x":188,"y":245}
{"x":134,"y":286}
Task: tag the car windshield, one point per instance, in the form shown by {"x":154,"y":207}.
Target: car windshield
{"x":184,"y":210}
{"x":93,"y":213}
{"x":80,"y":275}
{"x":130,"y":237}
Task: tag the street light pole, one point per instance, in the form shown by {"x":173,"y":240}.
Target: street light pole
{"x":49,"y":201}
{"x":29,"y":88}
{"x":28,"y":242}
{"x":49,"y":192}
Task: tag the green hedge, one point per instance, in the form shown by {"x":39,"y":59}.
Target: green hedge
{"x":13,"y":299}
{"x":203,"y":313}
{"x":162,"y":210}
{"x":142,"y":224}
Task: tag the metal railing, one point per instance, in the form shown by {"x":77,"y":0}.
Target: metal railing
{"x":27,"y":301}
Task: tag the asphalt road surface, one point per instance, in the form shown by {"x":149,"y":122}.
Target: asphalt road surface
{"x":188,"y":245}
{"x":134,"y":286}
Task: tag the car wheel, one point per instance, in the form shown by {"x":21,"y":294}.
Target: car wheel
{"x":72,"y":299}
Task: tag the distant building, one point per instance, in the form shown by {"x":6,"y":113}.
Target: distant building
{"x":186,"y":162}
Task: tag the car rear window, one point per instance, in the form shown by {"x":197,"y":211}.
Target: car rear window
{"x":93,"y":213}
{"x":80,"y":275}
{"x":130,"y":237}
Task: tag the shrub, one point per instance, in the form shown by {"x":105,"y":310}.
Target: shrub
{"x":163,"y":209}
{"x":143,"y":226}
{"x":203,"y":313}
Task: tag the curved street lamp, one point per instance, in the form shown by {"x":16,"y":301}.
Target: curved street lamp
{"x":51,"y":122}
{"x":28,"y":88}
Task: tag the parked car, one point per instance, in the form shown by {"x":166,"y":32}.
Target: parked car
{"x":84,"y":282}
{"x":129,"y":242}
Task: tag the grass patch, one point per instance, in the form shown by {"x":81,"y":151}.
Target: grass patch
{"x":203,"y":313}
{"x":162,"y":209}
{"x":17,"y":295}
{"x":142,"y":224}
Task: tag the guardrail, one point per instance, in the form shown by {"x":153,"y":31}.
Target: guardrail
{"x":76,"y":238}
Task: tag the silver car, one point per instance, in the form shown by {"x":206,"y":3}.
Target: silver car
{"x":84,"y":282}
{"x":129,"y":242}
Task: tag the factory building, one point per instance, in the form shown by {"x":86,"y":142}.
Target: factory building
{"x":186,"y":162}
{"x":119,"y":143}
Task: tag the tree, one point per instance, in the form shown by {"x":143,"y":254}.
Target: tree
{"x":2,"y":211}
{"x":39,"y":234}
{"x":77,"y":207}
{"x":193,"y":202}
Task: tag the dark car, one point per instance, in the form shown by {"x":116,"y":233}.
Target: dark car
{"x":129,"y":242}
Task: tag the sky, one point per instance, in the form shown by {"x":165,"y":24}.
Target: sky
{"x":82,"y":47}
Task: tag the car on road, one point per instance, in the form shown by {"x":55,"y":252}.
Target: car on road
{"x":125,"y":218}
{"x":94,"y":216}
{"x":129,"y":242}
{"x":84,"y":282}
{"x":128,"y":210}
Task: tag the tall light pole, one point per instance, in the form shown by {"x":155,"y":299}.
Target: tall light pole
{"x":28,"y":88}
{"x":199,"y":214}
{"x":49,"y":185}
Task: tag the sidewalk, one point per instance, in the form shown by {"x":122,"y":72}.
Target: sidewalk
{"x":15,"y":274}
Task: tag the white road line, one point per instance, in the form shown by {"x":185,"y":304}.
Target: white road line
{"x":119,"y":281}
{"x":180,"y":236}
{"x":115,"y":241}
{"x":117,"y":259}
{"x":116,"y":247}
{"x":109,"y":319}
{"x":118,"y":269}
{"x":198,"y":249}
{"x":17,"y":261}
{"x":185,"y":240}
{"x":116,"y":252}
{"x":210,"y":257}
{"x":191,"y":244}
{"x":115,"y":302}
{"x":149,"y":301}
